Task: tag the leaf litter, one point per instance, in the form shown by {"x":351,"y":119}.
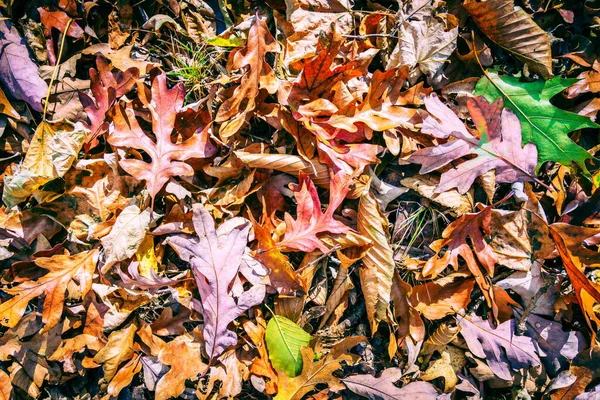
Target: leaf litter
{"x":299,"y":200}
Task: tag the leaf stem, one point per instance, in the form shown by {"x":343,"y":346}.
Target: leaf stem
{"x":56,"y":67}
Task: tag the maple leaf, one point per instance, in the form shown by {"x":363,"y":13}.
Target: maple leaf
{"x":503,"y":350}
{"x":62,"y":270}
{"x":301,"y":234}
{"x":498,"y":148}
{"x":216,"y":257}
{"x":167,"y":158}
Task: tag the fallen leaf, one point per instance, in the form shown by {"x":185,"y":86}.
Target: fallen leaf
{"x":502,"y":349}
{"x":62,"y":271}
{"x":317,"y":372}
{"x":541,"y":122}
{"x":216,"y":259}
{"x":183,"y":355}
{"x":301,"y":233}
{"x":18,"y":72}
{"x":168,"y":158}
{"x":497,"y":148}
{"x":285,"y":341}
{"x":514,"y":30}
{"x":126,"y":235}
{"x":382,"y":388}
{"x":117,"y":350}
{"x":378,"y":262}
{"x":445,"y":296}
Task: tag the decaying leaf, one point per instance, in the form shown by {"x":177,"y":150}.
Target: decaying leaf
{"x":382,"y":388}
{"x":503,"y":350}
{"x":217,"y":256}
{"x":498,"y":146}
{"x":167,"y":158}
{"x":514,"y":30}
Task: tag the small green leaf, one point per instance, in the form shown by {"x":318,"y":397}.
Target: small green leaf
{"x":541,"y":122}
{"x":284,"y":340}
{"x":221,"y":42}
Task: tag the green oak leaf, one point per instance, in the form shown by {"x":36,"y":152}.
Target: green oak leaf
{"x":284,"y":340}
{"x":541,"y":122}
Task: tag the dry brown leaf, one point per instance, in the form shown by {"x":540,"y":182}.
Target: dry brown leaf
{"x":378,"y":262}
{"x":514,"y":30}
{"x":442,"y":297}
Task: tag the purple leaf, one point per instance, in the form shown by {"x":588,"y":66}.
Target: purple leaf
{"x":216,"y":258}
{"x":501,"y":348}
{"x":383,"y":388}
{"x":498,"y":148}
{"x":17,"y":70}
{"x":555,"y":346}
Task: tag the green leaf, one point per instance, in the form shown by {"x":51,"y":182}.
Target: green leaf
{"x":542,"y":123}
{"x":284,"y":340}
{"x":222,"y":42}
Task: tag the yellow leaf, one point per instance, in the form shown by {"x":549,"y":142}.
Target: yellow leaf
{"x":146,"y":257}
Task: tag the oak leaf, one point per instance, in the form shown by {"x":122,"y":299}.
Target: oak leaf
{"x":183,"y":355}
{"x":503,"y":350}
{"x":455,"y":241}
{"x":445,"y":296}
{"x":62,"y":270}
{"x":259,"y":76}
{"x":217,"y":256}
{"x":498,"y":148}
{"x":589,"y":82}
{"x":117,"y":350}
{"x":167,"y":158}
{"x":542,"y":123}
{"x":383,"y":388}
{"x":302,"y":234}
{"x":570,"y":242}
{"x":317,"y":372}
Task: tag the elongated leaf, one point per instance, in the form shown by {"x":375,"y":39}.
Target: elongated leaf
{"x":288,"y":163}
{"x":541,"y":123}
{"x":284,"y":340}
{"x":216,"y":257}
{"x":513,"y":29}
{"x":498,"y":148}
{"x":378,"y":262}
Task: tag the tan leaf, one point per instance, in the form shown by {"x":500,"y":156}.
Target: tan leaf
{"x":425,"y":185}
{"x":118,"y":350}
{"x":378,"y":263}
{"x":6,"y":388}
{"x":183,"y":355}
{"x":259,"y":75}
{"x":126,"y":235}
{"x":442,"y":368}
{"x":62,"y":270}
{"x":445,"y":296}
{"x":124,"y":376}
{"x":514,"y":30}
{"x":317,"y":372}
{"x":287,"y":163}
